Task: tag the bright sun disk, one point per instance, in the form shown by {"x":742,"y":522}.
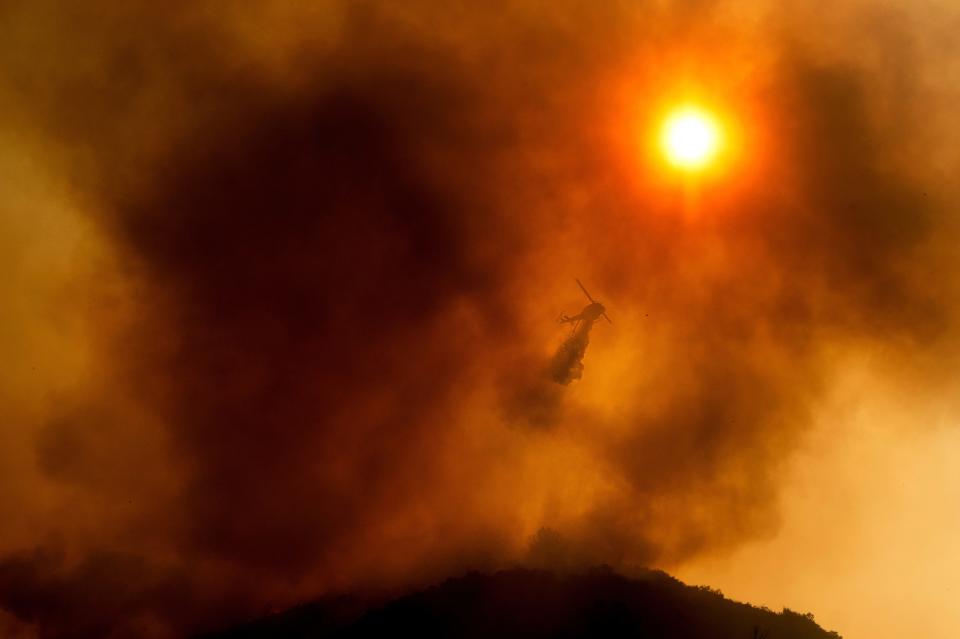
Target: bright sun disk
{"x":690,"y":138}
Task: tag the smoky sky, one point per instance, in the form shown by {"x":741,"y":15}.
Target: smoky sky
{"x":333,"y":277}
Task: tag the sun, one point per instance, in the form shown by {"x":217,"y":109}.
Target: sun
{"x":691,"y":138}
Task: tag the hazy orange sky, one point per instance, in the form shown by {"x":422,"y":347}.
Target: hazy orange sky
{"x":281,"y":281}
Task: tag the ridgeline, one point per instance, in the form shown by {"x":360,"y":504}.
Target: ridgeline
{"x":538,"y":604}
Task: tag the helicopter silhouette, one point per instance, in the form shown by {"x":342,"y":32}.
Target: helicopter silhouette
{"x":590,"y":313}
{"x":567,"y":363}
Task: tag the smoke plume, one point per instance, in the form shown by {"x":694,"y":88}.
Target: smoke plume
{"x":291,"y":286}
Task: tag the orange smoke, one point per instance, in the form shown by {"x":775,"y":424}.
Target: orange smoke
{"x":284,"y":295}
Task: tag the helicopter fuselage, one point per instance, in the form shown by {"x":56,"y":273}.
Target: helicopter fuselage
{"x":590,"y":313}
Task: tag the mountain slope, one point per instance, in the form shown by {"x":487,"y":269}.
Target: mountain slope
{"x":531,"y":603}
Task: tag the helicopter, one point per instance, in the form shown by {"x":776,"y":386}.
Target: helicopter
{"x":567,"y":363}
{"x":590,"y":313}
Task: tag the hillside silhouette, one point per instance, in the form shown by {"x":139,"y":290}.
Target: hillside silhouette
{"x":535,"y":603}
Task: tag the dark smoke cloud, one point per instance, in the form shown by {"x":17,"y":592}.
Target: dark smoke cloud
{"x":340,"y":286}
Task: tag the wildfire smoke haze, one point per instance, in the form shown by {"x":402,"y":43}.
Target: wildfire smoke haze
{"x":282,"y":282}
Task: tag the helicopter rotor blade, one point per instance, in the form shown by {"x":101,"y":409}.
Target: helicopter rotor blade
{"x":607,"y":317}
{"x":584,"y":289}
